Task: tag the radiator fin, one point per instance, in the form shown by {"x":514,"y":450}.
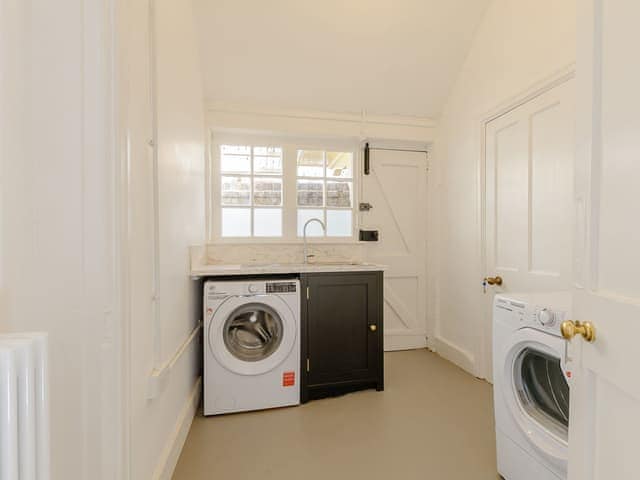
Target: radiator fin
{"x":24,"y":407}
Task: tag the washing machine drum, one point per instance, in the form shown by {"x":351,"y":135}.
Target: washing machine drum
{"x":253,"y":332}
{"x":252,"y":335}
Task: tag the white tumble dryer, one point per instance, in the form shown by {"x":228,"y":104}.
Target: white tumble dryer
{"x":252,"y":345}
{"x":531,"y":378}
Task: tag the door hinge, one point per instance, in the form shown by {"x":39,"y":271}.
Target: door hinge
{"x":307,"y":293}
{"x":367,"y":160}
{"x":308,"y":365}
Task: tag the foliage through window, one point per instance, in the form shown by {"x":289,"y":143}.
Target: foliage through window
{"x":272,"y":190}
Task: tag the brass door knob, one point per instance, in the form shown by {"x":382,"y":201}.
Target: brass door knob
{"x":497,"y":280}
{"x":373,"y":328}
{"x":570,"y":329}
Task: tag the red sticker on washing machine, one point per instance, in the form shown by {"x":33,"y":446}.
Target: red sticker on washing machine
{"x":288,"y":379}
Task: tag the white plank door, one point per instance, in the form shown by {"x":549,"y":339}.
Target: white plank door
{"x":397,"y":190}
{"x":604,"y":425}
{"x":529,"y":199}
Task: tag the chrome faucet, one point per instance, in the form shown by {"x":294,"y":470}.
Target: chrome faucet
{"x":304,"y":234}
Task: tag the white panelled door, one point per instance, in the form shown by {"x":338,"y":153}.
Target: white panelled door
{"x":529,"y":192}
{"x":604,"y":426}
{"x":529,"y":209}
{"x":397,"y":190}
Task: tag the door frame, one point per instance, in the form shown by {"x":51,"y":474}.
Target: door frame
{"x":484,"y":367}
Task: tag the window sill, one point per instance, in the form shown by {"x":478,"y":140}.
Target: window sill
{"x":283,"y":241}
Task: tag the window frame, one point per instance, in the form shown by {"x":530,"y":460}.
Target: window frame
{"x":290,"y":146}
{"x":325,"y":180}
{"x":252,"y":176}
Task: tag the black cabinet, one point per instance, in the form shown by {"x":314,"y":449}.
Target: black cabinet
{"x":342,"y":333}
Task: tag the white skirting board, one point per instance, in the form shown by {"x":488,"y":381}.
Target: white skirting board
{"x":454,"y":354}
{"x":171,"y":452}
{"x":404,"y":342}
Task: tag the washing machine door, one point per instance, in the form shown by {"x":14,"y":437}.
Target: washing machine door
{"x":252,"y":335}
{"x":537,"y":391}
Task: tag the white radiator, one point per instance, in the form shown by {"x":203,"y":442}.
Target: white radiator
{"x":24,"y":407}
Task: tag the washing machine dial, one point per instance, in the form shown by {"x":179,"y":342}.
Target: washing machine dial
{"x":546,"y":317}
{"x":253,"y":288}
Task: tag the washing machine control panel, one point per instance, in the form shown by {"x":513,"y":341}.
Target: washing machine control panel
{"x":281,"y":287}
{"x":218,"y":291}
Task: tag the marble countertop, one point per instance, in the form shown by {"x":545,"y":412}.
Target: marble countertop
{"x":217,"y":269}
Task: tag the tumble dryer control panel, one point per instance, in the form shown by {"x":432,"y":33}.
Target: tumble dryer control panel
{"x":539,"y":311}
{"x":546,"y":318}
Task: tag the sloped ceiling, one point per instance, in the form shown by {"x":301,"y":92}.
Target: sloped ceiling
{"x":388,"y":57}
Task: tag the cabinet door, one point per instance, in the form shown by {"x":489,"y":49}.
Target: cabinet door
{"x":344,"y":330}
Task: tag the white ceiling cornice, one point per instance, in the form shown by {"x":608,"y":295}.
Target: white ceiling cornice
{"x":291,"y":113}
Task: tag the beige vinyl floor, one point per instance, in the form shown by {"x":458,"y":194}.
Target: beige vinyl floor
{"x":433,"y":421}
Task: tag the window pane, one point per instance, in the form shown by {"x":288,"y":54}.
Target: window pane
{"x":340,"y":164}
{"x":339,"y":223}
{"x":314,"y":229}
{"x":310,"y":193}
{"x":236,"y":222}
{"x":236,"y":191}
{"x":267,"y":222}
{"x":235,"y":159}
{"x":277,"y":151}
{"x":339,"y":194}
{"x":310,"y":163}
{"x":267,"y":160}
{"x":235,"y":149}
{"x":267,"y":191}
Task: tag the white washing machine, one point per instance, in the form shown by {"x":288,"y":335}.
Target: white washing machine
{"x":531,"y":385}
{"x":252,"y":345}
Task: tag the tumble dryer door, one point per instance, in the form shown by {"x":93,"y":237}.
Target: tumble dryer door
{"x":542,"y":389}
{"x":536,"y":392}
{"x":251,"y":335}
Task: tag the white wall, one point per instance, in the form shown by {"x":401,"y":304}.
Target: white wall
{"x":77,"y":223}
{"x":163,"y":212}
{"x":334,"y":55}
{"x":518,"y":44}
{"x":58,"y":268}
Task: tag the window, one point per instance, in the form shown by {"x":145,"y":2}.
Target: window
{"x":324,"y":190}
{"x":251,"y":191}
{"x":269,"y":190}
